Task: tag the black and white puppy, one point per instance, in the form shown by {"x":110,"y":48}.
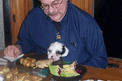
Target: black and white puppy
{"x":57,"y":50}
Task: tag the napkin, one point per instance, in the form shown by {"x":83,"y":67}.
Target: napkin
{"x":3,"y":61}
{"x":12,"y":59}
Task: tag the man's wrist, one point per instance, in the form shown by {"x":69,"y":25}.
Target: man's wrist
{"x":18,"y":46}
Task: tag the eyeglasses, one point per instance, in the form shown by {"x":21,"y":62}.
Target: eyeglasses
{"x":55,"y":4}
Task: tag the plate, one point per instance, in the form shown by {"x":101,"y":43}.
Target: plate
{"x":3,"y":62}
{"x":75,"y":78}
{"x":37,"y":57}
{"x":37,"y":71}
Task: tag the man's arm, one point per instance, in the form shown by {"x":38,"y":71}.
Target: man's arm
{"x":95,"y":46}
{"x":18,"y":46}
{"x":24,"y":38}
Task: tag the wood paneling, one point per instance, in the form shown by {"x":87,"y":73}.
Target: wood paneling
{"x":85,"y":5}
{"x":20,"y":9}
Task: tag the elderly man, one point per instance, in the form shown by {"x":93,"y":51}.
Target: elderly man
{"x":59,"y":20}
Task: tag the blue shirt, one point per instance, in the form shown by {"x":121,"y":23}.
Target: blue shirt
{"x":79,"y":33}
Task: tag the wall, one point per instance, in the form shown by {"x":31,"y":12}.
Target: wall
{"x":108,"y":14}
{"x":2,"y":43}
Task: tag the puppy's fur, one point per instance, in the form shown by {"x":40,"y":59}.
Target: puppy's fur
{"x":57,"y":50}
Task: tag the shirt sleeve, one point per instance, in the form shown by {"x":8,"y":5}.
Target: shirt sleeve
{"x":95,"y":46}
{"x":24,"y":37}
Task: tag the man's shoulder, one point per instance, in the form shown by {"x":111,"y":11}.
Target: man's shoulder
{"x":79,"y":12}
{"x":81,"y":17}
{"x":36,"y":10}
{"x":36,"y":14}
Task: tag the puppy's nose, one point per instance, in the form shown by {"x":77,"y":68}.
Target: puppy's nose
{"x":51,"y":57}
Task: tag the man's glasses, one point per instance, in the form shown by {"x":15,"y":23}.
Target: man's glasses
{"x":55,"y":4}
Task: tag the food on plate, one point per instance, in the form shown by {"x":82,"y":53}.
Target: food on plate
{"x":31,"y":62}
{"x":35,"y":78}
{"x":15,"y":75}
{"x":19,"y":77}
{"x":69,"y":72}
{"x":11,"y":73}
{"x":43,"y":63}
{"x":4,"y":69}
{"x":28,"y":62}
{"x":66,"y":71}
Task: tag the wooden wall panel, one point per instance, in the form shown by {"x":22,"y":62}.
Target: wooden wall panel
{"x":85,"y":5}
{"x":20,"y":9}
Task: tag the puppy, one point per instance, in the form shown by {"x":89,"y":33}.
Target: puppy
{"x":57,"y":50}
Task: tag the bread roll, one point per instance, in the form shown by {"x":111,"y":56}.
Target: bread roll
{"x":28,"y":62}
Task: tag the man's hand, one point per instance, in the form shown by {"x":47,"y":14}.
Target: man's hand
{"x":12,"y":50}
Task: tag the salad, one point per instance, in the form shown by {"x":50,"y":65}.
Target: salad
{"x":68,"y":70}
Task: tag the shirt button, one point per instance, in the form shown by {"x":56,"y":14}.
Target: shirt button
{"x":72,"y":43}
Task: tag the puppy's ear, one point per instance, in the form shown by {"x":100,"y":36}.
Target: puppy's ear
{"x":49,"y":47}
{"x":50,"y":44}
{"x":65,"y":51}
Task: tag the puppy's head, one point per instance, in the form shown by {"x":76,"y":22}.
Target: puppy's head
{"x":57,"y":50}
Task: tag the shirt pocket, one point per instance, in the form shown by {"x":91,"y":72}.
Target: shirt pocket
{"x":76,"y":48}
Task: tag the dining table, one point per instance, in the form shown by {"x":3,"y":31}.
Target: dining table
{"x":95,"y":74}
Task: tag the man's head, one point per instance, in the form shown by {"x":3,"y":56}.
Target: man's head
{"x":55,"y":9}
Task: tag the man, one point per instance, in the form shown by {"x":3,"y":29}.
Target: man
{"x":59,"y":20}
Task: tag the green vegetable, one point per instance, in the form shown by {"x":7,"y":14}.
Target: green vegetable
{"x":68,"y":70}
{"x":54,"y":69}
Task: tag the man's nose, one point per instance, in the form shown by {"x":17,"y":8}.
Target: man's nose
{"x":51,"y":9}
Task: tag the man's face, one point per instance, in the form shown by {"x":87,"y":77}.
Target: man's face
{"x":56,"y":14}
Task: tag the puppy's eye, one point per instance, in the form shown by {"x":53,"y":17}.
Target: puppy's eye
{"x":58,"y":52}
{"x":49,"y":51}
